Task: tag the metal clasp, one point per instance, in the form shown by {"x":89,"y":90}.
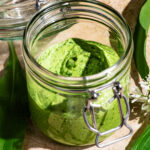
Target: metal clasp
{"x":118,"y":94}
{"x":39,"y":2}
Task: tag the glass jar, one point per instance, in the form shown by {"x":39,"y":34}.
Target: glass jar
{"x":78,"y":110}
{"x":14,"y":15}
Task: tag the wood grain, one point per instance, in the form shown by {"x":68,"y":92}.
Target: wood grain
{"x":35,"y":140}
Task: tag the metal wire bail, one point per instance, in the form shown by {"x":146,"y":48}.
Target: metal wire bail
{"x":118,"y":94}
{"x":39,"y":2}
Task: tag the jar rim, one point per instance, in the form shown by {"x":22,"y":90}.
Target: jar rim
{"x":99,"y":75}
{"x":13,"y":20}
{"x":13,"y":3}
{"x":12,"y":6}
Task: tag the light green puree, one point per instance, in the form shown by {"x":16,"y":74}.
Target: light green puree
{"x":59,"y":115}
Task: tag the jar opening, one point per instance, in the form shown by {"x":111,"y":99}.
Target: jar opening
{"x":60,"y":17}
{"x":14,"y":16}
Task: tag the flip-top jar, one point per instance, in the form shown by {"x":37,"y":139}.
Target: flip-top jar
{"x":14,"y":15}
{"x":78,"y":110}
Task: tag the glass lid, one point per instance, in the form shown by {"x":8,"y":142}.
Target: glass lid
{"x":14,"y":15}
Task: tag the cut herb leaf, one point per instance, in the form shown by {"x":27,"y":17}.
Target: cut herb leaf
{"x":140,"y":40}
{"x":14,"y":114}
{"x":143,"y":142}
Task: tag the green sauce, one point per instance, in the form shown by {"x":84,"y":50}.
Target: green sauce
{"x":76,"y":58}
{"x":60,"y":115}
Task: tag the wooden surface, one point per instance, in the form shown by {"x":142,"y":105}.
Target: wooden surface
{"x":35,"y":140}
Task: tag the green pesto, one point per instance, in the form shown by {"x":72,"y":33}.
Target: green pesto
{"x":60,"y":115}
{"x":76,"y":58}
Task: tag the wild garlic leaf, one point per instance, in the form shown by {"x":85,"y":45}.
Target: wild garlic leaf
{"x":140,"y":37}
{"x":14,"y":114}
{"x":143,"y":96}
{"x":143,"y":142}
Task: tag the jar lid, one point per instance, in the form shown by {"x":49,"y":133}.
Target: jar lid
{"x":14,"y":15}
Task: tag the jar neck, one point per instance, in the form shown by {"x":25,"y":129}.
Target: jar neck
{"x":76,"y":83}
{"x":15,"y":14}
{"x":101,"y":79}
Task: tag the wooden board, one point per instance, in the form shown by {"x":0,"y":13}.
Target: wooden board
{"x":35,"y":140}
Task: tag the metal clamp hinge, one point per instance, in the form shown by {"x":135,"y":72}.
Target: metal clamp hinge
{"x":39,"y":2}
{"x":118,"y":94}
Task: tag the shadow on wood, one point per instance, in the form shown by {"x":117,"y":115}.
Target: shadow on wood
{"x":130,"y":13}
{"x":39,"y":140}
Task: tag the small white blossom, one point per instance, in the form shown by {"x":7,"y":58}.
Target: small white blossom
{"x":146,"y":107}
{"x":135,"y":96}
{"x":137,"y":91}
{"x":148,"y":79}
{"x":144,"y":96}
{"x":142,"y":83}
{"x":134,"y":100}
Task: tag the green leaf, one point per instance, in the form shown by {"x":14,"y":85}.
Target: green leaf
{"x":145,"y":16}
{"x":140,"y":37}
{"x":143,"y":142}
{"x":140,"y":51}
{"x":14,"y":114}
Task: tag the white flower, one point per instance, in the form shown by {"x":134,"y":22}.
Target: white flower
{"x":148,"y":101}
{"x":136,"y":96}
{"x":146,"y":107}
{"x":143,"y":83}
{"x":148,"y":79}
{"x":144,"y":97}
